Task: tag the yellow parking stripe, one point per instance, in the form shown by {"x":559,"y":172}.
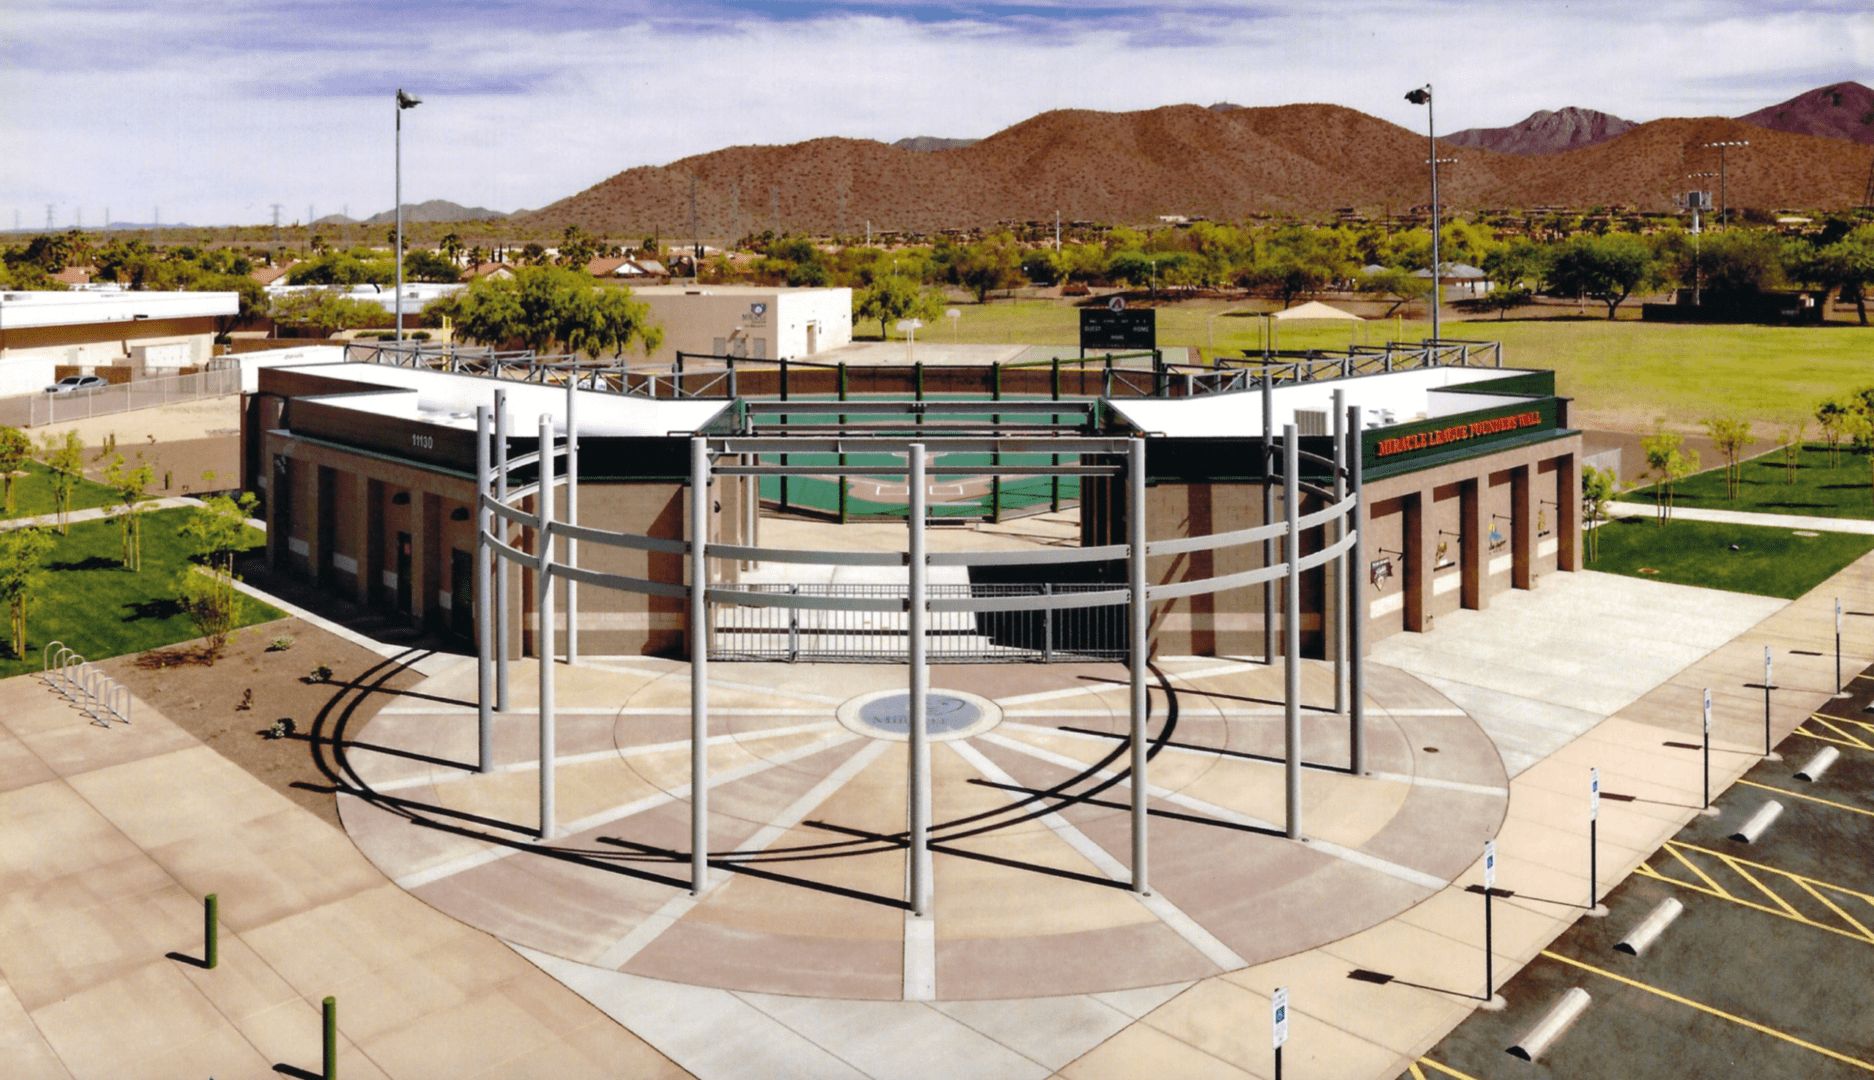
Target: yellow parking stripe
{"x":1764,"y":889}
{"x":1863,"y":724}
{"x":1689,"y":865}
{"x":1417,"y":1073}
{"x":1807,"y":798}
{"x":1709,"y":1010}
{"x":1830,"y":904}
{"x":1828,"y":722}
{"x":1774,"y":870}
{"x":1446,"y":1069}
{"x":1856,"y":744}
{"x":1784,"y":911}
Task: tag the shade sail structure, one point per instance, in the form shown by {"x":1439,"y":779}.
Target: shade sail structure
{"x":1315,"y":310}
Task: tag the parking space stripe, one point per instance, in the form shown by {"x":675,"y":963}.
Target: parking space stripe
{"x":1847,"y":739}
{"x":1710,"y":1011}
{"x":1417,"y":1073}
{"x":1445,"y":1069}
{"x":1706,"y":878}
{"x":1765,"y":890}
{"x":1854,"y":745}
{"x":1830,"y":904}
{"x":1812,"y":886}
{"x":1807,"y":798}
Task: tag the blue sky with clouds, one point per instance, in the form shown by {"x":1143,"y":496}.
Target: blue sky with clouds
{"x":214,"y":109}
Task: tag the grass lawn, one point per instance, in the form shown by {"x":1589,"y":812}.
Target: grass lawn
{"x":1844,"y":489}
{"x":32,"y":493}
{"x":1768,"y":562}
{"x":91,"y":603}
{"x":1623,"y":375}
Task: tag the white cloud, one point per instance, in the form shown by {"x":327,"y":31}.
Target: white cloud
{"x":214,"y":111}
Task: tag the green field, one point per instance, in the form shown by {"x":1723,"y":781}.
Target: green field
{"x":1767,"y":562}
{"x":1841,"y":489}
{"x":91,"y":603}
{"x":32,"y":493}
{"x":1623,"y":375}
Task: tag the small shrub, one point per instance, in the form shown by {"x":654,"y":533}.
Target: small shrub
{"x":320,"y":674}
{"x":280,"y":644}
{"x":247,"y":700}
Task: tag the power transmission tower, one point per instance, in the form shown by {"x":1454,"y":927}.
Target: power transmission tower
{"x":276,"y":222}
{"x":107,"y":218}
{"x":78,"y":221}
{"x":696,"y":233}
{"x":48,"y":217}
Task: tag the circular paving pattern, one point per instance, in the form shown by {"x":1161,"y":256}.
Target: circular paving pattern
{"x":1031,"y":838}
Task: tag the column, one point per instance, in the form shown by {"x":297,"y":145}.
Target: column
{"x":1568,"y":512}
{"x":504,"y":616}
{"x":1333,"y":576}
{"x":1356,"y":601}
{"x":1476,"y":550}
{"x":915,"y":627}
{"x":1291,"y":632}
{"x":1138,"y":610}
{"x":484,"y":601}
{"x":1523,"y":526}
{"x":699,"y":666}
{"x":572,"y":515}
{"x":1268,"y":514}
{"x":1416,"y":537}
{"x":543,"y":653}
{"x":359,"y":536}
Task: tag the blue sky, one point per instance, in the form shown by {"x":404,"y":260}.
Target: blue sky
{"x":214,"y":109}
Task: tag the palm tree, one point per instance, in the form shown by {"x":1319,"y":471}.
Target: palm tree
{"x":451,"y":246}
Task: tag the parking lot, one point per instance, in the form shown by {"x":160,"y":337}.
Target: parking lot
{"x":1763,"y":974}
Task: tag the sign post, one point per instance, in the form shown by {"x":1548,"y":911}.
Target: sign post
{"x":1278,"y":1015}
{"x":1707,"y":748}
{"x":1490,"y":883}
{"x":1594,"y":824}
{"x":1766,"y":701}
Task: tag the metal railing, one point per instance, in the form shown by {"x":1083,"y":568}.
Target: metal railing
{"x":33,"y":410}
{"x":96,"y":694}
{"x":834,"y":635}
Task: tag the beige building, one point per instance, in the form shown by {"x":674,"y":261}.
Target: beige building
{"x":44,"y":335}
{"x":759,"y":322}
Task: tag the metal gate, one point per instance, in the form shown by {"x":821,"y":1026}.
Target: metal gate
{"x":955,"y":637}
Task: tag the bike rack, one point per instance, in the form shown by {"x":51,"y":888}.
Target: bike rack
{"x":97,"y":695}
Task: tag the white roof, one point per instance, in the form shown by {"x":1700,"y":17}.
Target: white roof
{"x":736,"y":290}
{"x":439,"y":397}
{"x":20,"y":309}
{"x":1402,"y":396}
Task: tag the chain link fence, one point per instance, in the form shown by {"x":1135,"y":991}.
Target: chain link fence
{"x":34,"y":410}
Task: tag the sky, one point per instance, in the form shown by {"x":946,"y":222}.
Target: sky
{"x":213,"y":110}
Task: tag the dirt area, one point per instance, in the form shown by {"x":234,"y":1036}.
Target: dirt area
{"x":231,"y":704}
{"x":1633,"y":458}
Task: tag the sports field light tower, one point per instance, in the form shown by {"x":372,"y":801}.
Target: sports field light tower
{"x":1423,"y":96}
{"x":1723,"y":206}
{"x":404,"y":101}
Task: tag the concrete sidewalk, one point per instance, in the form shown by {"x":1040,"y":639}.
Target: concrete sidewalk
{"x":109,"y":840}
{"x":1859,"y":526}
{"x":97,"y":513}
{"x":1370,"y":1004}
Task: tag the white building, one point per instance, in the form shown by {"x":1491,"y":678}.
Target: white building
{"x":759,"y":322}
{"x":44,"y":335}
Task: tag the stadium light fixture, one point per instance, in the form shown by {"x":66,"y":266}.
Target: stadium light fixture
{"x":1423,"y":96}
{"x":1722,"y":145}
{"x":404,"y":101}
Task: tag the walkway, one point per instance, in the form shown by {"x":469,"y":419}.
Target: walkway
{"x":1860,"y":526}
{"x":96,"y":513}
{"x":109,"y":839}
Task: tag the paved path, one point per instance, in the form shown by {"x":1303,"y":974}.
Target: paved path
{"x":96,"y":513}
{"x":109,"y":839}
{"x":1859,"y":526}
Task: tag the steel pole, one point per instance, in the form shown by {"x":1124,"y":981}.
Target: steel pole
{"x":1336,"y":582}
{"x":1431,"y":132}
{"x":1268,"y":513}
{"x":1138,"y":611}
{"x":397,"y":108}
{"x":1355,"y":565}
{"x":915,"y":628}
{"x":572,"y":515}
{"x":503,"y":618}
{"x":543,"y":635}
{"x":484,"y":601}
{"x":699,"y":666}
{"x":1291,"y":632}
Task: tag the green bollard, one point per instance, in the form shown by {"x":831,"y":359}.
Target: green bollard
{"x":331,"y":1039}
{"x":211,"y":917}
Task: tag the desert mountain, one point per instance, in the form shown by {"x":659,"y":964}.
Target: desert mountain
{"x":928,"y":143}
{"x":1304,"y":160}
{"x":1545,"y":132}
{"x":1839,"y":111}
{"x":435,"y":210}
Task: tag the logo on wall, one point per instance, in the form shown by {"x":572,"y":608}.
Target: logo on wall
{"x":1497,"y":539}
{"x":1379,"y":572}
{"x":758,"y":309}
{"x":1542,"y":522}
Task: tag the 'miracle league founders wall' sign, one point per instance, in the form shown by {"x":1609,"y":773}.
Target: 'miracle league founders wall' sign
{"x":1454,"y":433}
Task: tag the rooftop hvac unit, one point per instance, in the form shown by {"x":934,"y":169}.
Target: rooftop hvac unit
{"x":1311,"y":422}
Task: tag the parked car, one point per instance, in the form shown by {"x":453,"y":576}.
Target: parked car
{"x":72,"y":384}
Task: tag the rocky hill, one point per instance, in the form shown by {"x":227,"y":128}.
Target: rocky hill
{"x":1837,"y":111}
{"x":1304,"y":160}
{"x":1545,"y":132}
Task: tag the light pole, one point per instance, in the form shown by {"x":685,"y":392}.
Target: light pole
{"x":1698,"y":269}
{"x":404,"y":101}
{"x":1423,"y":96}
{"x":1722,"y":145}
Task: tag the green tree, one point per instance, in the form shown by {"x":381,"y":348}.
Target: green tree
{"x":1606,"y":268}
{"x":1597,"y":491}
{"x":16,"y":449}
{"x":214,"y":531}
{"x":1789,"y":440}
{"x":992,"y":263}
{"x":1397,"y":284}
{"x":543,"y":307}
{"x":1732,"y":436}
{"x":1837,"y":419}
{"x":1667,"y":462}
{"x":65,"y":456}
{"x":422,"y":265}
{"x":1848,"y":264}
{"x":327,"y":310}
{"x":22,"y":574}
{"x":131,"y":485}
{"x":451,"y":246}
{"x":894,"y":297}
{"x":359,"y":266}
